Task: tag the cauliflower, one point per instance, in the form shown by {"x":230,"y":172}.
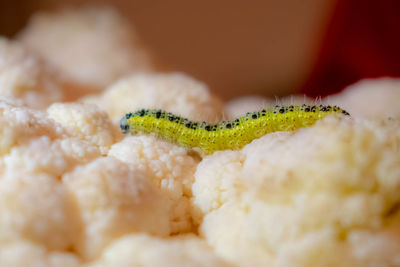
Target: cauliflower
{"x":169,"y":167}
{"x":96,"y":39}
{"x":37,"y":208}
{"x":144,"y":250}
{"x":371,"y":98}
{"x":86,"y":122}
{"x":175,"y":92}
{"x":115,"y":200}
{"x":23,"y":254}
{"x":24,"y":76}
{"x":301,"y":199}
{"x":19,"y":125}
{"x":43,"y":156}
{"x":75,"y":192}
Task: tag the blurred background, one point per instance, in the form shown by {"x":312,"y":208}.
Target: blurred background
{"x":270,"y":47}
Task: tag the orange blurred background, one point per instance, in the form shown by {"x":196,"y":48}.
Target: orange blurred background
{"x":237,"y":47}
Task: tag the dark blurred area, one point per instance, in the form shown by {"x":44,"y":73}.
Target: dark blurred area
{"x":255,"y":47}
{"x":362,"y":41}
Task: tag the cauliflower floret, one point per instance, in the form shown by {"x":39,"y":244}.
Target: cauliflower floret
{"x":25,"y":76}
{"x":175,"y":92}
{"x":19,"y":125}
{"x":86,"y":122}
{"x":92,"y":46}
{"x":115,"y":200}
{"x":169,"y":167}
{"x":376,"y":248}
{"x":371,"y":98}
{"x":37,"y":208}
{"x":295,"y":199}
{"x":23,"y":254}
{"x":44,"y":156}
{"x":144,"y":250}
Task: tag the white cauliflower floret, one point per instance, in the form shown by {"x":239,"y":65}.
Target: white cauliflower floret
{"x":92,"y":46}
{"x":25,"y":76}
{"x":175,"y":92}
{"x":37,"y":208}
{"x":86,"y":122}
{"x":296,"y":199}
{"x":23,"y":254}
{"x":376,"y":248}
{"x":44,"y":156}
{"x":115,"y":200}
{"x":144,"y":250}
{"x":370,"y":98}
{"x":169,"y":167}
{"x":19,"y":125}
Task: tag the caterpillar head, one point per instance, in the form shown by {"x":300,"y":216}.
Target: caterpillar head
{"x":124,"y":125}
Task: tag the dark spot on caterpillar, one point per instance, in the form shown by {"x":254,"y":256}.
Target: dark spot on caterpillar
{"x":207,"y":128}
{"x":188,"y":125}
{"x":254,"y":116}
{"x":307,"y":109}
{"x":124,"y":127}
{"x":313,"y":108}
{"x":228,"y":125}
{"x":323,"y":109}
{"x":127,"y":116}
{"x":282,"y":110}
{"x":141,"y":113}
{"x":170,"y":117}
{"x":176,"y":119}
{"x":263,"y":112}
{"x":345,"y":112}
{"x":158,"y":114}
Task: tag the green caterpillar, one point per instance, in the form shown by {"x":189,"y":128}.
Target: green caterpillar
{"x":233,"y":134}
